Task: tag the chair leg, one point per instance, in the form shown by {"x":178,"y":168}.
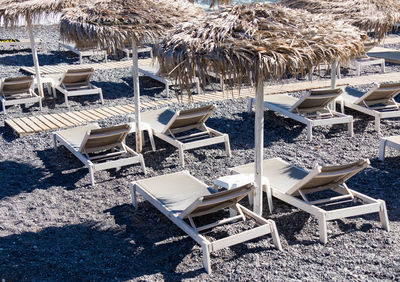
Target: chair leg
{"x":80,"y":59}
{"x":267,"y":189}
{"x":275,"y":235}
{"x":342,"y":107}
{"x":101,"y":96}
{"x":227,"y":146}
{"x":181,"y":157}
{"x":91,"y":172}
{"x":206,"y":258}
{"x":66,"y":100}
{"x":250,"y":101}
{"x":167,"y":89}
{"x":323,"y":231}
{"x":134,"y":197}
{"x":383,"y":216}
{"x":142,"y":164}
{"x":198,"y":86}
{"x":382,"y":149}
{"x":151,"y":137}
{"x":378,"y":124}
{"x":41,"y":104}
{"x":4,"y":108}
{"x":309,"y":132}
{"x":350,"y":128}
{"x":55,"y":142}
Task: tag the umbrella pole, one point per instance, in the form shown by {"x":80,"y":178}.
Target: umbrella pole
{"x":35,"y":57}
{"x":333,"y":74}
{"x":136,"y":89}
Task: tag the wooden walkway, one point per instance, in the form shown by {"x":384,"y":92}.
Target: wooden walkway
{"x":38,"y":123}
{"x":63,"y":68}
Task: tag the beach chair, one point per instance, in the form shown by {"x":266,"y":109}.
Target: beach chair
{"x":17,"y":91}
{"x":182,"y":198}
{"x":300,"y":188}
{"x":99,"y":148}
{"x":185,"y":129}
{"x":151,"y":68}
{"x":76,"y":82}
{"x":83,"y":51}
{"x":378,"y":102}
{"x":312,"y":109}
{"x":393,"y":142}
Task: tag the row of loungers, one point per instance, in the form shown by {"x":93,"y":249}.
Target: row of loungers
{"x":183,"y":198}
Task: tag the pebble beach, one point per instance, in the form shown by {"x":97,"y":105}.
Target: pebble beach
{"x":54,"y":226}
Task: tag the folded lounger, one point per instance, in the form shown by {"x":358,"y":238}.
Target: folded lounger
{"x":378,"y":102}
{"x":312,"y":109}
{"x":76,"y":82}
{"x":151,"y":68}
{"x":182,"y":197}
{"x":99,"y":148}
{"x":17,"y":91}
{"x":291,"y":184}
{"x":392,"y":141}
{"x":170,"y":127}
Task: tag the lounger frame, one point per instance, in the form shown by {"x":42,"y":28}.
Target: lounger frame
{"x":83,"y":53}
{"x":369,"y":205}
{"x":264,"y":227}
{"x":386,"y":142}
{"x":35,"y":98}
{"x":133,"y":158}
{"x":309,"y":121}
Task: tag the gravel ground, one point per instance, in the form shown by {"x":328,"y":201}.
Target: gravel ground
{"x":54,"y":226}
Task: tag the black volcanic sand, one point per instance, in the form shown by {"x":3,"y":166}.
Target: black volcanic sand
{"x":55,"y":226}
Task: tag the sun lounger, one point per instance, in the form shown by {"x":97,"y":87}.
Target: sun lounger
{"x":83,"y":51}
{"x":17,"y":91}
{"x":185,"y":129}
{"x":182,"y":198}
{"x":393,"y":142}
{"x":76,"y":82}
{"x":151,"y":68}
{"x":11,"y":42}
{"x":141,"y":49}
{"x":294,"y":186}
{"x":378,"y":102}
{"x":312,"y":109}
{"x":99,"y":148}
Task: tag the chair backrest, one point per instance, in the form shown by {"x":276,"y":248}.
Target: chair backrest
{"x":328,"y":176}
{"x":77,"y":77}
{"x":189,"y":119}
{"x":316,"y":100}
{"x":380,"y":94}
{"x":102,"y":139}
{"x":16,"y":85}
{"x":217,"y":201}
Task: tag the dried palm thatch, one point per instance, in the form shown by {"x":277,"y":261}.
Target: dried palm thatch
{"x":377,"y":16}
{"x":111,"y":23}
{"x":12,"y":10}
{"x":243,"y":40}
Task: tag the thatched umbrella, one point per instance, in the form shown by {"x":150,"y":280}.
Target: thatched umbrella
{"x":32,"y":11}
{"x":260,"y":42}
{"x":111,"y":23}
{"x":377,"y":16}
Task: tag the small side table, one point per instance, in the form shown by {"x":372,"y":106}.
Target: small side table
{"x":50,"y":84}
{"x":143,"y":126}
{"x":237,"y":180}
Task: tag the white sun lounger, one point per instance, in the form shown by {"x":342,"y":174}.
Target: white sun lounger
{"x":76,"y":82}
{"x":170,"y":127}
{"x":17,"y":91}
{"x":83,"y":52}
{"x":99,"y":148}
{"x":292,"y":185}
{"x":392,"y":141}
{"x":312,"y":109}
{"x":378,"y":102}
{"x":182,"y":197}
{"x":151,"y":68}
{"x":18,"y":42}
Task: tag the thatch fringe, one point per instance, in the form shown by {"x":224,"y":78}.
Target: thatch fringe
{"x":245,"y":40}
{"x":113,"y":23}
{"x":377,"y":16}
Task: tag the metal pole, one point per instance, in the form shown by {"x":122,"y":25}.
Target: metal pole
{"x":35,"y":57}
{"x":136,"y":89}
{"x":333,"y":74}
{"x":259,"y":143}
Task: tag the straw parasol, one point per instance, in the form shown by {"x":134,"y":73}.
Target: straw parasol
{"x":32,"y":11}
{"x":259,"y":42}
{"x":377,"y":16}
{"x":112,"y":23}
